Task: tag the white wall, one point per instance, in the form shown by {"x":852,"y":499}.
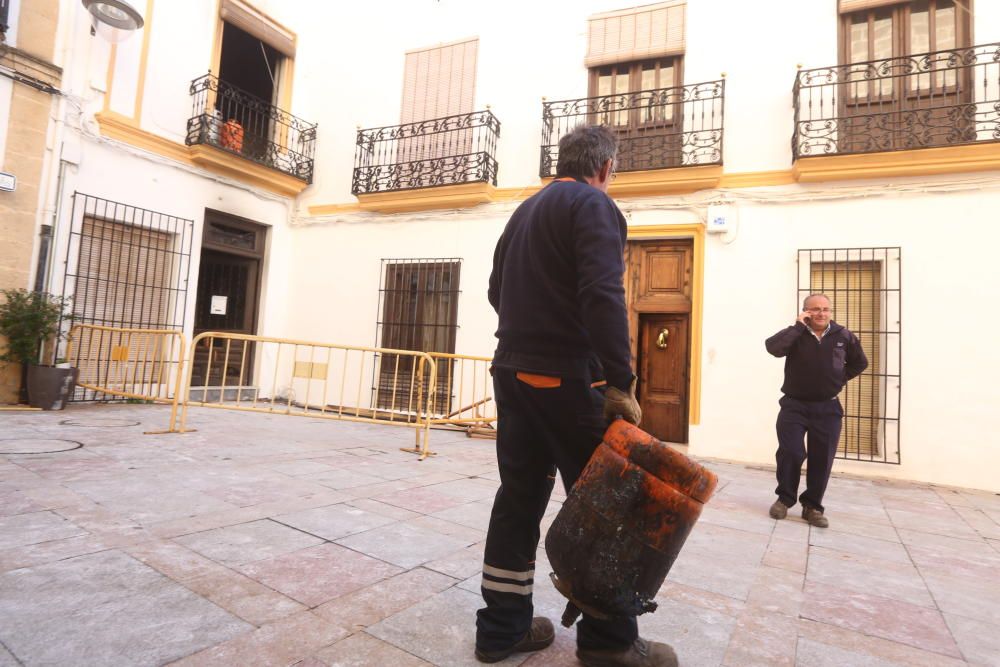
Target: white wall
{"x":529,"y":50}
{"x":948,"y":368}
{"x":322,"y":277}
{"x":333,"y":293}
{"x":108,"y":172}
{"x":948,"y":365}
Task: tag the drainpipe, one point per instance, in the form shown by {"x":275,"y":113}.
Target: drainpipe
{"x":50,"y":212}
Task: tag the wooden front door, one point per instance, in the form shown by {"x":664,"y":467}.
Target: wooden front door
{"x":663,"y":369}
{"x":658,"y":292}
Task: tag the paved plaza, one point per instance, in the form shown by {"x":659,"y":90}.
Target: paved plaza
{"x":279,"y":540}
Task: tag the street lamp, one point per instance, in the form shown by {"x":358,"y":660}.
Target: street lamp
{"x":113,"y":20}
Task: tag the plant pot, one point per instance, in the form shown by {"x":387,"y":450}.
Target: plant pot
{"x":50,"y":387}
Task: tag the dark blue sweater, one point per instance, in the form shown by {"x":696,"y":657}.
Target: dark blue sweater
{"x":557,"y":286}
{"x":814,"y":370}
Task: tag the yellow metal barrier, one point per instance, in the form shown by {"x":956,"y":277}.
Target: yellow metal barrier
{"x":321,"y":380}
{"x":464,"y":395}
{"x":143,"y":364}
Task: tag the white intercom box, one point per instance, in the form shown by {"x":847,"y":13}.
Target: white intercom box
{"x":721,"y":218}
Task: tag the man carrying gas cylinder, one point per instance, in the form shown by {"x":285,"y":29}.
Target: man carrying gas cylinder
{"x":562,"y":371}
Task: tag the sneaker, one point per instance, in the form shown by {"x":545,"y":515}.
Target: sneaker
{"x":640,"y":654}
{"x":814,"y":517}
{"x":779,"y":510}
{"x":540,"y":636}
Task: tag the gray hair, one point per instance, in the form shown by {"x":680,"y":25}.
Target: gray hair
{"x":813,"y":296}
{"x":584,"y":150}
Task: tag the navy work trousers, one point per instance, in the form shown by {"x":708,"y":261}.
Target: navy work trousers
{"x":821,"y":421}
{"x":539,"y":430}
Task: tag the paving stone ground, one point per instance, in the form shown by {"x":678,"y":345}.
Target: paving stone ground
{"x":277,"y":540}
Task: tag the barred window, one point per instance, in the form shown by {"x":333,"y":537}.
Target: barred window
{"x":418,"y":302}
{"x":863,"y":285}
{"x":124,"y":267}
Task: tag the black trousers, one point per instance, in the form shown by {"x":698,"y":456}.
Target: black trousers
{"x":539,"y":430}
{"x":821,"y":421}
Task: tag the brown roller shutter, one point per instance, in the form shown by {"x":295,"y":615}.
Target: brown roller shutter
{"x":439,"y":81}
{"x":650,"y":31}
{"x":849,"y":6}
{"x":249,"y":20}
{"x":123,"y":280}
{"x":853,"y":289}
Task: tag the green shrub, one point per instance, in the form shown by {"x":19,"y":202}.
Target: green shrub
{"x":27,"y":319}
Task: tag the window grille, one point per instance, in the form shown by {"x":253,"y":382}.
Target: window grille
{"x":125,"y":267}
{"x":863,"y":285}
{"x":418,"y":303}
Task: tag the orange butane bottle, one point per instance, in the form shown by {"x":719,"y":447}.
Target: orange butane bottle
{"x":232,"y":135}
{"x":624,"y":523}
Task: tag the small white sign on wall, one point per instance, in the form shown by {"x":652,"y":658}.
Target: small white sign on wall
{"x":8,"y":182}
{"x":219,"y":305}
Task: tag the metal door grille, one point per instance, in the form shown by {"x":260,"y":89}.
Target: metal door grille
{"x":418,"y":304}
{"x":125,"y":267}
{"x":863,"y":285}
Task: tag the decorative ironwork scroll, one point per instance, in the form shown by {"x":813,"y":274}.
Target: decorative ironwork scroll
{"x":439,"y":151}
{"x":941,"y":98}
{"x":232,"y":119}
{"x":657,"y":129}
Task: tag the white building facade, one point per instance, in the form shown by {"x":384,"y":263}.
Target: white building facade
{"x":847,"y":147}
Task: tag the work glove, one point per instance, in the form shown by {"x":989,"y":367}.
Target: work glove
{"x":617,"y":403}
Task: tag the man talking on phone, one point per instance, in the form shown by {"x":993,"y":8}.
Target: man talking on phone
{"x":821,"y":356}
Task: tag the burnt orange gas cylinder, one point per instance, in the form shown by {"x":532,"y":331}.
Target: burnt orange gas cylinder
{"x":624,"y":523}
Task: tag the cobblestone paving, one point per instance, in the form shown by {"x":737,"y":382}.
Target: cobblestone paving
{"x":274,"y":540}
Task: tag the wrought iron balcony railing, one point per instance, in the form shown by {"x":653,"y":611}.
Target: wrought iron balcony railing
{"x":232,"y":119}
{"x":942,"y":98}
{"x":441,"y":151}
{"x":657,"y":129}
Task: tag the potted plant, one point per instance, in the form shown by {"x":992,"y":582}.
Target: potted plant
{"x":27,"y":320}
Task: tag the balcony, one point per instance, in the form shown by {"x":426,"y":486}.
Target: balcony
{"x":448,"y":151}
{"x":232,"y":120}
{"x":924,"y":101}
{"x":657,"y":129}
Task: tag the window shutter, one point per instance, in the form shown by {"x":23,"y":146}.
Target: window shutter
{"x":124,"y":281}
{"x":439,"y":81}
{"x":849,"y":6}
{"x":651,"y":31}
{"x":249,"y":20}
{"x":853,"y":289}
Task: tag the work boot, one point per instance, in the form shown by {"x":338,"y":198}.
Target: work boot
{"x":779,"y":510}
{"x":640,"y":654}
{"x":814,"y":517}
{"x":539,"y":636}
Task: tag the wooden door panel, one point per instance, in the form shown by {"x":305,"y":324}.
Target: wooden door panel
{"x":659,"y":276}
{"x":663,"y":375}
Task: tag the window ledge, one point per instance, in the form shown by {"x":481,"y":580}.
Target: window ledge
{"x":227,"y":164}
{"x":679,"y":180}
{"x":425,"y":199}
{"x":918,"y":162}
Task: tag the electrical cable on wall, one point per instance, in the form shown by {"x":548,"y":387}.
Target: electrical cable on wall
{"x":699,"y":201}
